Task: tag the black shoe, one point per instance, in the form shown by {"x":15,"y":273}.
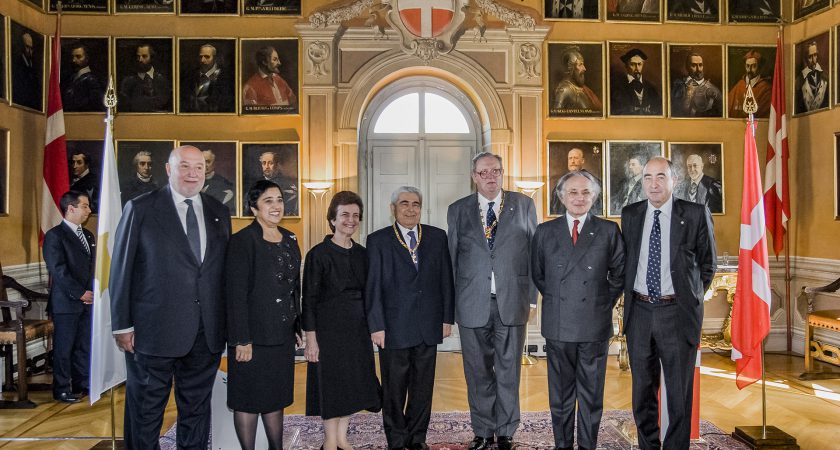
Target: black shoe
{"x":80,"y":393}
{"x":66,"y":397}
{"x":480,"y":443}
{"x":506,"y":443}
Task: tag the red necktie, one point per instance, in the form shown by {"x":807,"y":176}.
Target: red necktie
{"x":575,"y":231}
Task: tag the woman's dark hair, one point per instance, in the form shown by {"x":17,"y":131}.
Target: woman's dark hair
{"x":259,"y":189}
{"x":340,"y":199}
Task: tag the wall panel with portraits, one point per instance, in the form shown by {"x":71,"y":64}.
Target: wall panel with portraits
{"x":754,"y":11}
{"x":141,"y":166}
{"x":144,"y":74}
{"x":812,"y":74}
{"x":275,"y":161}
{"x":625,"y":161}
{"x":84,"y":164}
{"x":700,"y":11}
{"x":753,"y":65}
{"x":566,"y":156}
{"x":221,"y":169}
{"x":269,"y":76}
{"x":84,"y":73}
{"x":576,"y":79}
{"x":644,"y":11}
{"x":636,"y":79}
{"x":207,"y":76}
{"x":26,"y":64}
{"x":695,"y":77}
{"x":698,"y":168}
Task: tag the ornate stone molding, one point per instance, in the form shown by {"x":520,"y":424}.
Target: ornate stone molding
{"x":511,"y":17}
{"x":426,"y":43}
{"x":318,"y":53}
{"x":529,"y":57}
{"x":339,"y":14}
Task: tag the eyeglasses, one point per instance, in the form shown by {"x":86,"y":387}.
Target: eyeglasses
{"x":573,"y":194}
{"x":490,"y":173}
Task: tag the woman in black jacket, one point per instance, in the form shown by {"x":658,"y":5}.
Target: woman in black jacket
{"x":263,"y":296}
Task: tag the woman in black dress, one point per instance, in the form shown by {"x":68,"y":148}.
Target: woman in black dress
{"x":344,"y":380}
{"x":263,"y":292}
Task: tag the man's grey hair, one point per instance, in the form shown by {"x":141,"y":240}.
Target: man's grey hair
{"x":139,"y":154}
{"x":395,"y":196}
{"x":484,"y":155}
{"x":594,"y":186}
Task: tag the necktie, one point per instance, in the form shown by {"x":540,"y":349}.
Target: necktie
{"x":81,"y":237}
{"x":490,"y":225}
{"x":192,"y":230}
{"x":575,"y":231}
{"x":692,"y":192}
{"x":412,"y":245}
{"x":653,"y":279}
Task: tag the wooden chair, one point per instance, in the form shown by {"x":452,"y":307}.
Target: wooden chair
{"x":15,"y":331}
{"x":824,"y":319}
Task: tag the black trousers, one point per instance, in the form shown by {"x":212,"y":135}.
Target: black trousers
{"x":71,"y":352}
{"x":576,"y":373}
{"x":407,"y":373}
{"x":656,"y":345}
{"x":149,"y":381}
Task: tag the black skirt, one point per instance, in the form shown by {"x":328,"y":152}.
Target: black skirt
{"x":264,"y":384}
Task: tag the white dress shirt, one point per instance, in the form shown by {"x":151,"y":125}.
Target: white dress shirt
{"x":570,"y":220}
{"x":667,"y":284}
{"x":198,"y":207}
{"x":482,"y":207}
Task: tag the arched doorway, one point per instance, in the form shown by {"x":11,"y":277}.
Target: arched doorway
{"x":419,"y":131}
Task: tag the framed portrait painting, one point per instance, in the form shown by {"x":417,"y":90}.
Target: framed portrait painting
{"x":80,"y":6}
{"x":27,"y":67}
{"x":141,"y":165}
{"x":271,"y":7}
{"x":84,"y":163}
{"x":695,"y":74}
{"x":702,"y":11}
{"x":84,"y":69}
{"x":634,"y":10}
{"x":625,"y":162}
{"x":209,"y":7}
{"x":698,"y":168}
{"x":576,"y":79}
{"x":269,"y":76}
{"x":144,"y":6}
{"x":635,"y":79}
{"x":207,"y":76}
{"x":144,"y":73}
{"x":570,"y":9}
{"x":804,"y":8}
{"x":754,"y":11}
{"x":749,"y":65}
{"x":566,"y":156}
{"x":220,"y":170}
{"x":812,"y":74}
{"x":4,"y":172}
{"x":275,"y":161}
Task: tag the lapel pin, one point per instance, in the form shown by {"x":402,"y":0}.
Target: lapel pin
{"x":682,"y":222}
{"x":591,"y":233}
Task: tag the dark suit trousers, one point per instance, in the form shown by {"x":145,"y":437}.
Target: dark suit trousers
{"x":576,"y":372}
{"x":71,"y":351}
{"x":492,"y":365}
{"x":655,"y":343}
{"x":410,"y":373}
{"x":149,"y":380}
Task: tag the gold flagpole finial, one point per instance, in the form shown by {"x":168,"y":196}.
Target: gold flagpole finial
{"x":110,"y":99}
{"x":58,"y":7}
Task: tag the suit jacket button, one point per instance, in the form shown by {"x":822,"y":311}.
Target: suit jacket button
{"x":277,"y":300}
{"x":196,"y":301}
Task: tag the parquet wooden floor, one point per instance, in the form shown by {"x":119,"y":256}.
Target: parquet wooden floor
{"x":808,"y":410}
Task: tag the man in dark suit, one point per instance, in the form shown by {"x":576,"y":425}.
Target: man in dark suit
{"x":577,"y":263}
{"x":142,"y":180}
{"x":209,"y":88}
{"x":82,"y":90}
{"x":630,"y":93}
{"x":489,"y":240}
{"x":410,"y":303}
{"x":670,"y":247}
{"x":167,"y":307}
{"x":69,"y":251}
{"x":698,"y":187}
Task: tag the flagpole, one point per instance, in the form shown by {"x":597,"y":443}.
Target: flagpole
{"x":110,"y":101}
{"x":113,"y":422}
{"x":763,"y":396}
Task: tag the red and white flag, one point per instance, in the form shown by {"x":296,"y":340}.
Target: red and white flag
{"x":776,"y":197}
{"x":751,"y":309}
{"x":56,"y":176}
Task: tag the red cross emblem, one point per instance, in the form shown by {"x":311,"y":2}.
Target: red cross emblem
{"x":426,"y":18}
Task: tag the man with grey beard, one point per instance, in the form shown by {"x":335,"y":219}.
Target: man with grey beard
{"x":694,"y":95}
{"x":571,"y":93}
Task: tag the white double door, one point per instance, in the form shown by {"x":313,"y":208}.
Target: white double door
{"x":440,"y":167}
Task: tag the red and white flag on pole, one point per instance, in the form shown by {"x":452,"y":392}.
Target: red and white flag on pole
{"x":56,"y":177}
{"x":776,"y":197}
{"x":751,"y":309}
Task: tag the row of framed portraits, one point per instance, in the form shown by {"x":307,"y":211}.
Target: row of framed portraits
{"x":183,"y":7}
{"x":634,"y":79}
{"x":694,"y":11}
{"x":232,"y":167}
{"x":156,"y":75}
{"x":618,"y":166}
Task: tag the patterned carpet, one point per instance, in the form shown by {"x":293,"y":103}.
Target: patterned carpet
{"x":451,"y":431}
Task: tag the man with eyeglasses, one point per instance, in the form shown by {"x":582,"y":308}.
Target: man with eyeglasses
{"x":489,"y":240}
{"x":577,"y":263}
